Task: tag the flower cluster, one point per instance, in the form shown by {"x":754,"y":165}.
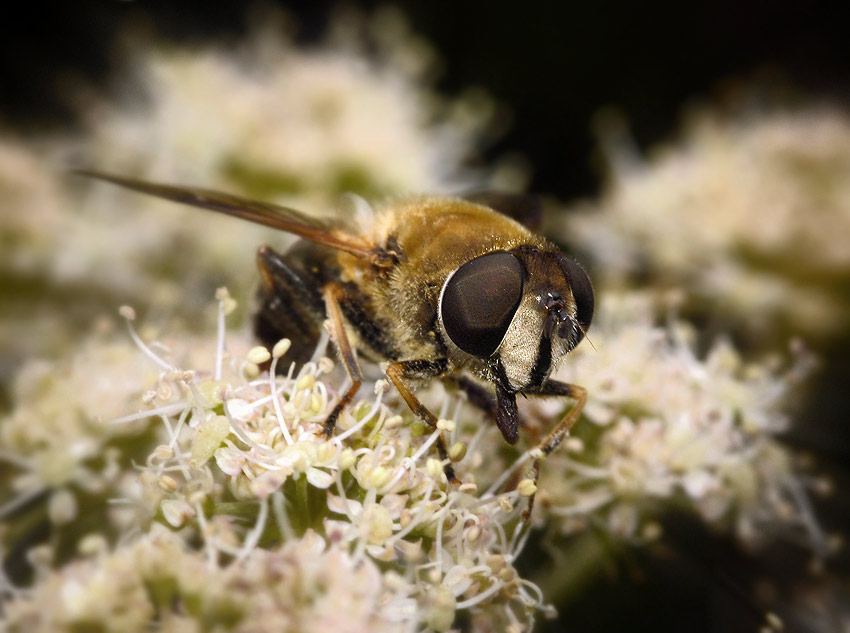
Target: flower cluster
{"x":269,"y":119}
{"x":308,"y":585}
{"x":308,"y":124}
{"x":218,"y":504}
{"x":241,"y":465}
{"x":240,"y":513}
{"x":749,"y":215}
{"x":293,"y":125}
{"x":58,"y":436}
{"x":665,"y":427}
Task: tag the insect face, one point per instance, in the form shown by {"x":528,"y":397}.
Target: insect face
{"x":517,"y":312}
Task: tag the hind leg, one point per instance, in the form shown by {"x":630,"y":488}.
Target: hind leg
{"x":293,"y":305}
{"x":290,"y":305}
{"x":334,"y":294}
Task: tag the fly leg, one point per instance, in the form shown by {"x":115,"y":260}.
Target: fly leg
{"x":289,"y":304}
{"x":556,"y":435}
{"x":333,"y":294}
{"x":397,"y":372}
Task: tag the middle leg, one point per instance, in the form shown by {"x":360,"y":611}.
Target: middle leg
{"x":333,"y":294}
{"x":397,"y":372}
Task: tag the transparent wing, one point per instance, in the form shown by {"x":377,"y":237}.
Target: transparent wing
{"x":265,"y":213}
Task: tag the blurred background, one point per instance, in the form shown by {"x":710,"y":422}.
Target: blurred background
{"x":552,"y":65}
{"x":560,"y":99}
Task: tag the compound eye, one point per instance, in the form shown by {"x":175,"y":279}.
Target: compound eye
{"x":479,"y":301}
{"x":582,"y":292}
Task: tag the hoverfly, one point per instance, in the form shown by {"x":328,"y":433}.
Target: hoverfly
{"x":434,"y":287}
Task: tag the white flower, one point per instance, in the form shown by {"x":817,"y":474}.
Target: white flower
{"x":240,"y":466}
{"x":747,"y":216}
{"x":674,"y":426}
{"x":57,"y":437}
{"x":375,"y":490}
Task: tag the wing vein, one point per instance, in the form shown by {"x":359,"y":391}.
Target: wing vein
{"x":265,"y":213}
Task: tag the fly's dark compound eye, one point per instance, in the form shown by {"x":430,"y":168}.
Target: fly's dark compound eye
{"x":582,"y":292}
{"x":479,"y":301}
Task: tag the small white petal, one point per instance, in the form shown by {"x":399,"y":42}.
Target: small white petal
{"x":698,"y":483}
{"x":339,"y":505}
{"x":319,"y":478}
{"x":176,"y":511}
{"x":240,"y":409}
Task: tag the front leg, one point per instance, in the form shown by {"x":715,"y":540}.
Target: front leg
{"x":397,"y":372}
{"x":556,"y":435}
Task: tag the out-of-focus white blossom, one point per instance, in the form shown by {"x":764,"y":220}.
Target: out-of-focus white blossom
{"x":35,"y":213}
{"x":268,"y":119}
{"x":58,"y":436}
{"x":308,"y":584}
{"x":308,"y":124}
{"x":750,"y":216}
{"x":32,"y":198}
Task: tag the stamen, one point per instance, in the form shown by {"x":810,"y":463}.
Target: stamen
{"x":366,"y":419}
{"x":129,"y":316}
{"x":281,"y":518}
{"x":222,"y":295}
{"x":426,"y":446}
{"x":21,"y":500}
{"x":274,"y":396}
{"x":497,"y":485}
{"x":256,"y":532}
{"x":481,"y":597}
{"x":167,"y":410}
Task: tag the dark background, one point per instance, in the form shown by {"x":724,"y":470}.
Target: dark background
{"x":555,"y":65}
